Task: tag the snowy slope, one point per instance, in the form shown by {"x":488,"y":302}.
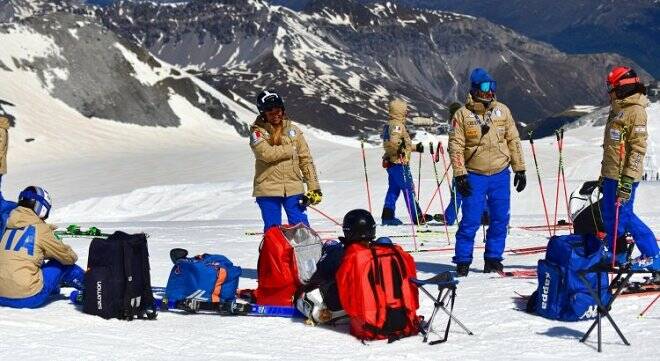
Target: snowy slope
{"x":191,"y":187}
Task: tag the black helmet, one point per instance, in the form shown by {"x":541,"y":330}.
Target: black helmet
{"x":359,"y":225}
{"x":269,"y":99}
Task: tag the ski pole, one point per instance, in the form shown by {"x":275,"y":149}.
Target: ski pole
{"x":563,"y":178}
{"x":538,"y":175}
{"x":558,"y":182}
{"x":649,"y":306}
{"x":622,"y":149}
{"x":324,"y":215}
{"x":437,"y":181}
{"x":441,"y":151}
{"x":366,"y":175}
{"x":419,"y":178}
{"x":406,"y":194}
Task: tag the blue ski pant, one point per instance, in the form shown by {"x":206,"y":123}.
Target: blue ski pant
{"x":628,"y":220}
{"x":494,"y":192}
{"x":400,"y":180}
{"x":271,"y":210}
{"x":54,"y":274}
{"x":455,"y":201}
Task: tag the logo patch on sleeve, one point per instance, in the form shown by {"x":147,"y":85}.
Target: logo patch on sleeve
{"x":615,"y":134}
{"x":640,"y":129}
{"x":256,"y":137}
{"x":292,"y":133}
{"x":397,"y":129}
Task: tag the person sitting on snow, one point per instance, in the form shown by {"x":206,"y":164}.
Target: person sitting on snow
{"x":283,"y":165}
{"x":620,"y":178}
{"x":33,"y":262}
{"x":483,"y":145}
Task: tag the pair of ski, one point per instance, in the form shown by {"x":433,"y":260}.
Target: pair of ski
{"x":197,"y":304}
{"x":229,"y":308}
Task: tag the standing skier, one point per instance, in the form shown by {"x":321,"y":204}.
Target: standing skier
{"x":283,"y":164}
{"x":26,"y":280}
{"x":483,"y":143}
{"x":398,"y":146}
{"x":626,"y":124}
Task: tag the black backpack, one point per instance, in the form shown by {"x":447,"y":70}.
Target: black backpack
{"x":117,"y":281}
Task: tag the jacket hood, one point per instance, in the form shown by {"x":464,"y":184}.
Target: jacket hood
{"x":478,"y":107}
{"x":398,"y":109}
{"x":23,"y":217}
{"x":635,"y":99}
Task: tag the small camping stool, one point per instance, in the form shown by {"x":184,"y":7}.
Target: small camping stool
{"x":617,"y":286}
{"x":446,"y":289}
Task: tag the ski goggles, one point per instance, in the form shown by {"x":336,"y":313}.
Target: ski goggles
{"x":611,"y":87}
{"x":488,"y":86}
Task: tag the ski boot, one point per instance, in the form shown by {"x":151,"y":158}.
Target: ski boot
{"x":312,"y":306}
{"x":388,"y":218}
{"x":462,"y":269}
{"x":493,"y":265}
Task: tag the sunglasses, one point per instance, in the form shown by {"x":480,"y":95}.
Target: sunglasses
{"x":488,"y":86}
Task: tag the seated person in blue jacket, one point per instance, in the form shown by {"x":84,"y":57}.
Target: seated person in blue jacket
{"x":33,"y":262}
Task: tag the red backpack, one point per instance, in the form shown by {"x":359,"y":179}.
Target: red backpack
{"x":375,"y":291}
{"x":287,"y":259}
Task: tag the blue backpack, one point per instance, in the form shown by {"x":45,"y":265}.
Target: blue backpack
{"x":5,"y":210}
{"x":560,"y":294}
{"x":209,"y":277}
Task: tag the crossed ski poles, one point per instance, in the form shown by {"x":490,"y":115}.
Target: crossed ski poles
{"x":561,"y":178}
{"x":437,"y":181}
{"x":538,"y":175}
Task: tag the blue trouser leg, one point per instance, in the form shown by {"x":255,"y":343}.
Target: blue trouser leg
{"x":473,"y":207}
{"x":54,"y":274}
{"x":628,"y":220}
{"x":394,"y":177}
{"x":295,"y":213}
{"x":499,"y":208}
{"x":271,"y":211}
{"x":451,"y":213}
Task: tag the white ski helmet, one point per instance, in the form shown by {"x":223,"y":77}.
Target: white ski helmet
{"x":36,"y":199}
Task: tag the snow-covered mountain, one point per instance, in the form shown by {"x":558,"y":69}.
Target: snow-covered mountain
{"x":337,"y":62}
{"x":76,"y":60}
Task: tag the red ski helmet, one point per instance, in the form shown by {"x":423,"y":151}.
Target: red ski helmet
{"x":621,"y":75}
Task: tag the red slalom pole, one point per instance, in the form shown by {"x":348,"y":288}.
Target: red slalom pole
{"x":649,"y":306}
{"x":538,"y":175}
{"x":441,"y":151}
{"x":442,"y":203}
{"x":324,"y":215}
{"x":366,"y":175}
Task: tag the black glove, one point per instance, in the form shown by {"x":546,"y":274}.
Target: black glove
{"x":520,"y":181}
{"x":463,"y":186}
{"x":420,"y":147}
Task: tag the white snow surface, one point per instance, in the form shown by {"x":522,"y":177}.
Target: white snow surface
{"x":191,"y":187}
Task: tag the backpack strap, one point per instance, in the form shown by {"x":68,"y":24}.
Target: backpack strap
{"x":128,"y":309}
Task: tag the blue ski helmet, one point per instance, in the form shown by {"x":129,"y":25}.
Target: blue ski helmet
{"x":482,"y":85}
{"x":36,"y":199}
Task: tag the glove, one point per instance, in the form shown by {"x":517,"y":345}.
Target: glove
{"x":402,"y":149}
{"x":625,"y":188}
{"x":463,"y":186}
{"x":312,"y":198}
{"x":520,"y":181}
{"x":419,"y":148}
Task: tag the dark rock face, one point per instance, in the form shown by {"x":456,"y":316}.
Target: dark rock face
{"x":102,"y":75}
{"x":337,"y":63}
